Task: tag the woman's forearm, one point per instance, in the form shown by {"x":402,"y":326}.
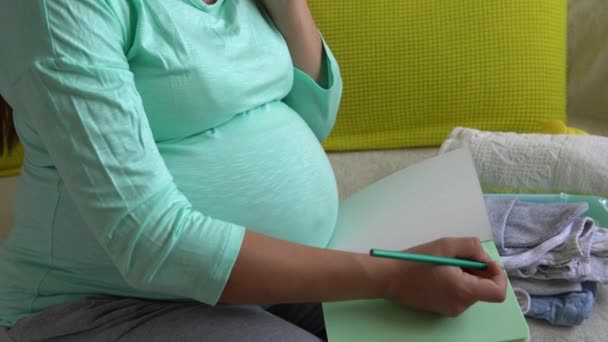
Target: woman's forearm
{"x":270,"y":271}
{"x":294,"y":20}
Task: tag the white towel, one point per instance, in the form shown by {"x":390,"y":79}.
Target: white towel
{"x":511,"y":162}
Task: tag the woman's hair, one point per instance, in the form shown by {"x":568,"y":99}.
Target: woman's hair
{"x":8,"y":134}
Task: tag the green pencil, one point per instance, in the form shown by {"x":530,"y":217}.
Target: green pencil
{"x":431,"y":259}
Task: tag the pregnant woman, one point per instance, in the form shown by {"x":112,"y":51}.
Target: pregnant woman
{"x":174,"y":187}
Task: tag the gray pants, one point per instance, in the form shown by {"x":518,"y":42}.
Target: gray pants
{"x":108,"y":319}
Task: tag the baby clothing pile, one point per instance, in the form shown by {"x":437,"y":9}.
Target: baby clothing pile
{"x":554,"y":256}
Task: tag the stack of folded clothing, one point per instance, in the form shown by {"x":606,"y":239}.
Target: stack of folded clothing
{"x":554,"y":256}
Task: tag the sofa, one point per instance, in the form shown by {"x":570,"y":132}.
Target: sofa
{"x":587,"y":110}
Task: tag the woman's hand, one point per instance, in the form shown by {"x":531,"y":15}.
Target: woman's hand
{"x":446,"y":290}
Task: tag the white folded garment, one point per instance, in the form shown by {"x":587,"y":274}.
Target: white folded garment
{"x":541,"y":163}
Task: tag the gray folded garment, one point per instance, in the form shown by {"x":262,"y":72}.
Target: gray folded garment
{"x":537,"y":287}
{"x":548,"y":241}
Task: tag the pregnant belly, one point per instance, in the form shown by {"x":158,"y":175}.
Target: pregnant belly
{"x":264,"y":170}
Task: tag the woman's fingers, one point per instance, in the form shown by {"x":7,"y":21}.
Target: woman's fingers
{"x":489,"y":285}
{"x":466,"y":248}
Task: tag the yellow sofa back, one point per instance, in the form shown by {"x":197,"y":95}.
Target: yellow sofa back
{"x":415,"y":69}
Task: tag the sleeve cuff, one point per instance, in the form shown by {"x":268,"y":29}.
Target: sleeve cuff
{"x":212,"y":291}
{"x":317,"y":105}
{"x":332,"y":72}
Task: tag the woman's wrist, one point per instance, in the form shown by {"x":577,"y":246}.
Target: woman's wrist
{"x":270,"y":271}
{"x":377,"y":275}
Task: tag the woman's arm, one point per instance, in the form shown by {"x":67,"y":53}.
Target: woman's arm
{"x":317,"y":87}
{"x":294,"y":20}
{"x":269,"y":270}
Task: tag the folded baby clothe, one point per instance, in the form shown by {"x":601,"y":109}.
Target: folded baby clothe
{"x":567,"y":309}
{"x":542,"y":163}
{"x":548,"y":241}
{"x":537,"y":287}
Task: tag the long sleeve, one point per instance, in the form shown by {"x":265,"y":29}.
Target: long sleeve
{"x":317,"y":105}
{"x":90,"y":120}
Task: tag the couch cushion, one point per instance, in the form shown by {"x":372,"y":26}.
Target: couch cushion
{"x":415,"y":69}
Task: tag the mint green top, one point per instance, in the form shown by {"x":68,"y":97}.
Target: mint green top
{"x":155,"y":131}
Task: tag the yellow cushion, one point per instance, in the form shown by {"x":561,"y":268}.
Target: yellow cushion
{"x":10,"y":164}
{"x":415,"y":69}
{"x":559,"y":127}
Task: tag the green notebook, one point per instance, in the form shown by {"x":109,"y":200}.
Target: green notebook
{"x":438,"y":197}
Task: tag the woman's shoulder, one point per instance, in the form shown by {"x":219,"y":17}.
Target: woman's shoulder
{"x":45,"y":28}
{"x":34,"y":32}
